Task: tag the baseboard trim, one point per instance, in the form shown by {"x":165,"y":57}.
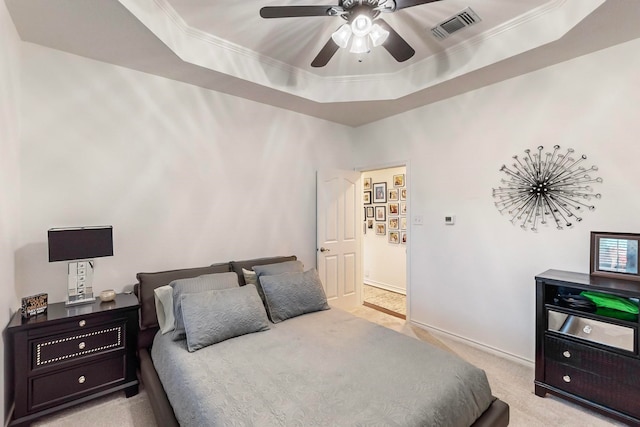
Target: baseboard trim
{"x":481,"y":346}
{"x":385,"y":287}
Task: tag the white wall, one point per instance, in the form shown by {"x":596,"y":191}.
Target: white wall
{"x":476,"y":278}
{"x":186,"y":176}
{"x":9,"y":180}
{"x":384,"y":263}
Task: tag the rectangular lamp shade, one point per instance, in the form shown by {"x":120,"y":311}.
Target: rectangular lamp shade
{"x":66,"y":244}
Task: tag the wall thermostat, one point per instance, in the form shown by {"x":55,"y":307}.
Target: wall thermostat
{"x":449,"y":220}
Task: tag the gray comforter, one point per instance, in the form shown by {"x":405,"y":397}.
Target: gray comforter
{"x":327,"y":368}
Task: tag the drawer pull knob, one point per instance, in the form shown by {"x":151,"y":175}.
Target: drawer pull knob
{"x":82,"y":323}
{"x":566,"y":379}
{"x":81,"y":379}
{"x":587,"y":329}
{"x":567,"y":354}
{"x":81,"y":346}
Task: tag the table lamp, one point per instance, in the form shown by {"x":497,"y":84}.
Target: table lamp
{"x":80,"y":245}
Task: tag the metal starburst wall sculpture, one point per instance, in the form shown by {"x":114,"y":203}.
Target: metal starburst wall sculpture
{"x":544,"y":188}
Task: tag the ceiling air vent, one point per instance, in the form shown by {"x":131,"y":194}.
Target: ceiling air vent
{"x":457,"y":22}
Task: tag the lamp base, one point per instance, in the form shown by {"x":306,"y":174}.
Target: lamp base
{"x":80,"y":300}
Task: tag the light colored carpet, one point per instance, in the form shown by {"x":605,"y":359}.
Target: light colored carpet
{"x":392,"y":301}
{"x":510,"y":381}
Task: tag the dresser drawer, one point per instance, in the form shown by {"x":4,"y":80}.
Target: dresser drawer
{"x":613,"y":335}
{"x":48,"y":390}
{"x":623,"y":369}
{"x":605,"y":391}
{"x":52,"y":350}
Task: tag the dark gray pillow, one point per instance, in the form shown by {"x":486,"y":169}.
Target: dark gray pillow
{"x":292,"y":294}
{"x":207,"y":282}
{"x":214,"y":316}
{"x":273,"y":269}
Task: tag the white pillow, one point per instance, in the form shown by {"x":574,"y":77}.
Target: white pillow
{"x":164,"y":308}
{"x":250,"y":277}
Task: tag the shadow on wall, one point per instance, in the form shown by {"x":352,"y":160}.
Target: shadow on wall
{"x":34,"y":273}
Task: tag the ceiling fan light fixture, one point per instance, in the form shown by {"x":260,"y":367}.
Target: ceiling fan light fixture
{"x":342,"y":35}
{"x":361,"y":25}
{"x":360,"y":44}
{"x":378,"y":35}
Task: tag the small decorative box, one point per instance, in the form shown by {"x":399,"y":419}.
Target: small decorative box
{"x":34,"y":304}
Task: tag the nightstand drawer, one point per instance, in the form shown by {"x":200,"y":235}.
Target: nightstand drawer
{"x":60,"y":348}
{"x":48,"y":390}
{"x":605,"y":391}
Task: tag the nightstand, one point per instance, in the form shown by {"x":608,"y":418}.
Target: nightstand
{"x":70,"y":355}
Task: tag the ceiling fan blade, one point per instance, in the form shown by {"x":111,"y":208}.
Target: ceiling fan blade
{"x":403,"y":4}
{"x":395,"y":44}
{"x":325,"y":54}
{"x":295,"y":11}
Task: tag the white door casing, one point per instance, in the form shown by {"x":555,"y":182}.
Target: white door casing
{"x":339,"y":223}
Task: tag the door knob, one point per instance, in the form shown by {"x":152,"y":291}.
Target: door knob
{"x":324,"y":250}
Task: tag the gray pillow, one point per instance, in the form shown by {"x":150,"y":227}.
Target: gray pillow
{"x":214,"y":316}
{"x":273,"y":269}
{"x":292,"y":294}
{"x":207,"y":282}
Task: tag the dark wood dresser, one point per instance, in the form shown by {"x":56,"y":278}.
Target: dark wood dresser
{"x":587,"y":357}
{"x":70,"y":355}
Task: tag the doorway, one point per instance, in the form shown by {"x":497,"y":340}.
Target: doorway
{"x":384,"y":240}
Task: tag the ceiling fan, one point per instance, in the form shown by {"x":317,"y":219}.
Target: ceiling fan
{"x":364,"y":27}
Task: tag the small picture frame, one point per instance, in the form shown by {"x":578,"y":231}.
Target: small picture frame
{"x":370,"y":212}
{"x":394,"y":237}
{"x":403,"y":194}
{"x":403,"y":237}
{"x":381,"y":213}
{"x":366,"y":184}
{"x":34,"y":305}
{"x":380,"y":192}
{"x":370,"y":223}
{"x":398,"y":180}
{"x":394,"y":209}
{"x":394,"y":224}
{"x":403,"y":223}
{"x":394,"y":195}
{"x":615,"y":255}
{"x":381,"y":228}
{"x":366,"y":197}
{"x":403,"y":208}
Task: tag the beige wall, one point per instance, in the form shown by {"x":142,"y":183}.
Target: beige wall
{"x":476,"y":279}
{"x":9,"y":177}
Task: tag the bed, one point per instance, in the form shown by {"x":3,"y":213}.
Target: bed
{"x":322,"y":367}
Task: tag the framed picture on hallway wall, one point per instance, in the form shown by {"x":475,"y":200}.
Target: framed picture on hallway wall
{"x":403,"y":237}
{"x":366,"y":184}
{"x":366,"y":197}
{"x":398,"y":180}
{"x":381,"y":229}
{"x":381,"y":213}
{"x":394,"y":237}
{"x":380,"y":192}
{"x":370,"y":212}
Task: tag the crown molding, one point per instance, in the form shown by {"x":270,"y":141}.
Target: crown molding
{"x":537,"y":27}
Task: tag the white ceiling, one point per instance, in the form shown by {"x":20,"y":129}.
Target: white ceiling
{"x":226,"y":46}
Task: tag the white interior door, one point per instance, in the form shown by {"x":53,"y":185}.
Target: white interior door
{"x":339,"y":224}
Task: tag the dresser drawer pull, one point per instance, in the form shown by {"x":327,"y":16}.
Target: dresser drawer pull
{"x":566,"y":379}
{"x":81,"y":379}
{"x":586,"y":329}
{"x":82,"y":323}
{"x":81,"y":346}
{"x":566,"y":354}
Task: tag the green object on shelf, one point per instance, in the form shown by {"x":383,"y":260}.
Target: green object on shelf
{"x":612,"y":301}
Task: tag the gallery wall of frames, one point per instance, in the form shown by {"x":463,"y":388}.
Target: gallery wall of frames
{"x":385,"y":208}
{"x":385,"y":227}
